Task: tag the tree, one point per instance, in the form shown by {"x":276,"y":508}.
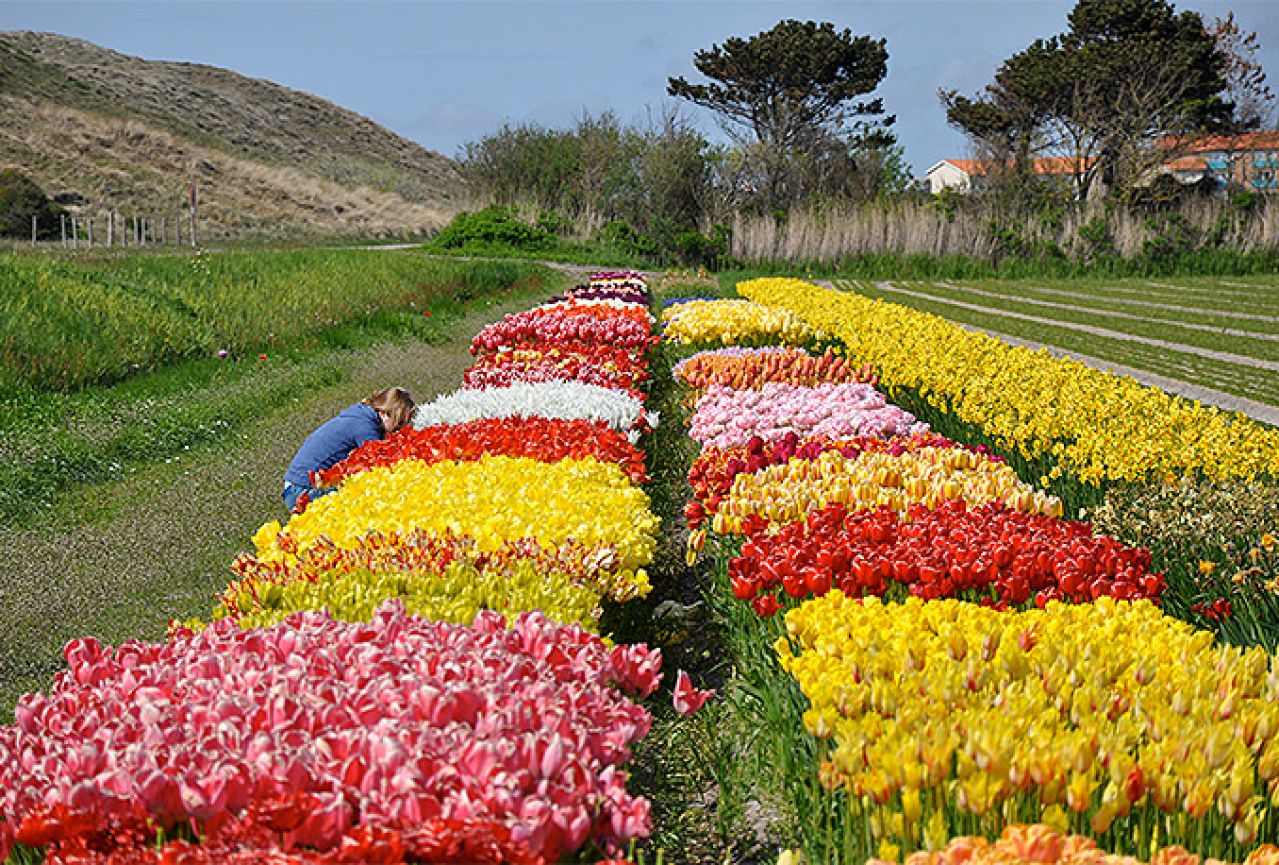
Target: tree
{"x":786,"y":92}
{"x":1246,"y":80}
{"x":1125,"y":77}
{"x":20,"y":200}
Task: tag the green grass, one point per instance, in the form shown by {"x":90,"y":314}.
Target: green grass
{"x":1166,"y":330}
{"x":1187,"y":307}
{"x":1218,"y":297}
{"x":68,"y":323}
{"x":53,"y":441}
{"x":1256,"y":384}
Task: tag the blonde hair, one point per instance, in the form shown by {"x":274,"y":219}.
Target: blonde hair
{"x":396,"y":402}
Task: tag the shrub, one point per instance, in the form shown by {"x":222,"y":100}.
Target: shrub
{"x":20,"y":200}
{"x":495,"y":225}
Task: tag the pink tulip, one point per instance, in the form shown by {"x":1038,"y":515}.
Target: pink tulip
{"x":686,"y":698}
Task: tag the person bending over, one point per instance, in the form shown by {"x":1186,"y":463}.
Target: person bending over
{"x":376,"y":417}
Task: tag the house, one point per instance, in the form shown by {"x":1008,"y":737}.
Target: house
{"x":965,"y":174}
{"x":1250,"y":161}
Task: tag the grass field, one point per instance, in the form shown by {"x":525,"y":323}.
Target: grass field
{"x":1188,"y":319}
{"x":72,"y":411}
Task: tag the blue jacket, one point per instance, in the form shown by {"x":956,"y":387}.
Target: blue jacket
{"x":330,"y":444}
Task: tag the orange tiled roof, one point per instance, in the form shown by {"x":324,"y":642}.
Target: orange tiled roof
{"x":1049,"y":165}
{"x":1187,"y":163}
{"x":1246,"y":141}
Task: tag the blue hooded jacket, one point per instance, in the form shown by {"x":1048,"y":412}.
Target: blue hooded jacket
{"x":333,"y":441}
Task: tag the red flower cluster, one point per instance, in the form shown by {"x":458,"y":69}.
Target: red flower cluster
{"x":603,"y":365}
{"x":266,"y":834}
{"x":544,"y":439}
{"x":316,"y":728}
{"x":625,"y":325}
{"x":712,"y":472}
{"x":787,"y":365}
{"x":1000,"y":556}
{"x":1214,"y":612}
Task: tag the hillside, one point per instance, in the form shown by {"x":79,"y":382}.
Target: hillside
{"x":102,"y":131}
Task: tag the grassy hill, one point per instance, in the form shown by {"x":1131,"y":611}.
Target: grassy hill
{"x":105,"y":131}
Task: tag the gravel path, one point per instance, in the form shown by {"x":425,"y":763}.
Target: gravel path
{"x":1209,"y":328}
{"x":1150,"y":304}
{"x":1224,"y":356}
{"x":164,"y":540}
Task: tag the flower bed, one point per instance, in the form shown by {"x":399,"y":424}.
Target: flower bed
{"x":733,"y":322}
{"x":748,"y":368}
{"x":1118,"y":713}
{"x":390,"y":724}
{"x":1099,"y":426}
{"x":443,"y":578}
{"x":494,"y":499}
{"x":570,"y":400}
{"x":1043,"y":845}
{"x":544,"y":439}
{"x":928,"y":476}
{"x":726,"y":417}
{"x":712,"y":472}
{"x":603,"y":365}
{"x":989,"y":554}
{"x":626,"y":326}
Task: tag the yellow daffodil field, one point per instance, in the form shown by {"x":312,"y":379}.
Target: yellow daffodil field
{"x":947,"y":661}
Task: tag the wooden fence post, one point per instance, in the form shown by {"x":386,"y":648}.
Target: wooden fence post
{"x":110,"y":228}
{"x":91,"y":232}
{"x":62,"y":221}
{"x":34,"y":224}
{"x":75,"y":233}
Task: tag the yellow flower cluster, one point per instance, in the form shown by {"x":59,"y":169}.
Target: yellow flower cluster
{"x":733,"y":322}
{"x":791,"y":490}
{"x":494,"y":499}
{"x":1112,"y":711}
{"x":455,"y":594}
{"x":1098,"y":425}
{"x":1043,"y":845}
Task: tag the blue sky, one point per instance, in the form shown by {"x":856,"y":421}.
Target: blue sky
{"x":444,"y":73}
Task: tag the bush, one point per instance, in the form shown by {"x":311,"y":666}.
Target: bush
{"x":492,"y":226}
{"x":21,"y":199}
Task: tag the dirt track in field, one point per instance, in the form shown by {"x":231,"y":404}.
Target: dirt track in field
{"x":162,"y":545}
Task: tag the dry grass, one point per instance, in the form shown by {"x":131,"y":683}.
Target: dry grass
{"x":142,"y":169}
{"x":827,"y":235}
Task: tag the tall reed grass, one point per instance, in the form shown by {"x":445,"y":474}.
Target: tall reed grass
{"x":67,"y":324}
{"x":1078,"y":236}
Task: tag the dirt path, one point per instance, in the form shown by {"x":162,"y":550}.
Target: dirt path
{"x":1225,"y":356}
{"x":164,"y":540}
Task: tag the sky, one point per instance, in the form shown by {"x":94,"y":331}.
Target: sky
{"x":444,"y":73}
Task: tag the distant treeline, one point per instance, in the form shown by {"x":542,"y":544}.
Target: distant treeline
{"x":665,"y":193}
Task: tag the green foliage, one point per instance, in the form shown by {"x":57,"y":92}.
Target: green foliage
{"x":786,"y":82}
{"x":1175,"y":238}
{"x":493,"y":226}
{"x":20,"y":200}
{"x":68,"y":325}
{"x":52,"y":440}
